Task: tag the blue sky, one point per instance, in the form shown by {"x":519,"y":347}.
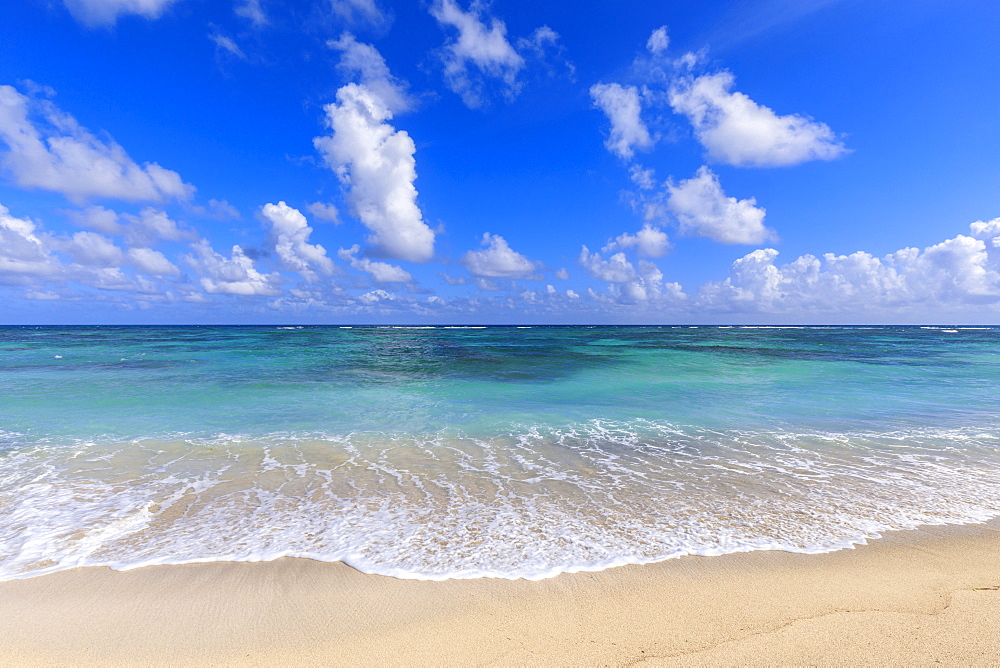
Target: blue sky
{"x":335,"y":161}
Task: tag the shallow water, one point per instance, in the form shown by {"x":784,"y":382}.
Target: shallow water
{"x":501,"y":451}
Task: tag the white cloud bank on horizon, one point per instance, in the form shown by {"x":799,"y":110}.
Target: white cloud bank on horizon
{"x":54,"y":152}
{"x":958,"y":278}
{"x":957,"y":274}
{"x":735,"y":130}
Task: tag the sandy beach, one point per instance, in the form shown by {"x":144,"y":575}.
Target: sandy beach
{"x":914,"y":598}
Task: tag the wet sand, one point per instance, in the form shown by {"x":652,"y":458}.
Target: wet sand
{"x":910,"y":598}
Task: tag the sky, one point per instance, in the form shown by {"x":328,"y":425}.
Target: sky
{"x":441,"y":161}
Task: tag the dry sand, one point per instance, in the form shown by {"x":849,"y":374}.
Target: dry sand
{"x":911,"y":598}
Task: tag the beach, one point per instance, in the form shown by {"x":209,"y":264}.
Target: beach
{"x":911,"y":597}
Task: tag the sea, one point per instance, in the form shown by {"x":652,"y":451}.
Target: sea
{"x":465,"y":452}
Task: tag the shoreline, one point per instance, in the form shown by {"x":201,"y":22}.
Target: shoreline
{"x":914,"y":597}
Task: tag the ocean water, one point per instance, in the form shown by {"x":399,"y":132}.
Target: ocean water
{"x":508,"y":452}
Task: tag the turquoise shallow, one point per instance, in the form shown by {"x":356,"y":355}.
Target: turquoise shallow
{"x":502,"y":451}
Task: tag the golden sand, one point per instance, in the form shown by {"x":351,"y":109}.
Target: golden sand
{"x":911,"y":598}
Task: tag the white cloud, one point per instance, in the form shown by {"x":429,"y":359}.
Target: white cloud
{"x":630,"y":284}
{"x":616,"y":269}
{"x":54,"y":152}
{"x":497,"y":260}
{"x":658,"y":41}
{"x":375,"y":163}
{"x":359,"y":11}
{"x":984,"y":229}
{"x":484,"y":47}
{"x":737,"y":131}
{"x":702,"y":209}
{"x":150,"y":227}
{"x":227,"y":44}
{"x":23,"y":252}
{"x":543,"y":37}
{"x":382,"y":272}
{"x":289,"y":237}
{"x":97,"y":218}
{"x":376,"y":296}
{"x":649,"y":242}
{"x":152,"y":262}
{"x":106,"y":12}
{"x":562,"y":274}
{"x":94,"y":249}
{"x":622,"y":107}
{"x":957,"y":274}
{"x":235,"y":275}
{"x":325,"y":212}
{"x":219,"y":209}
{"x":147,"y":229}
{"x":252,"y":11}
{"x":367,"y":64}
{"x":642,"y":177}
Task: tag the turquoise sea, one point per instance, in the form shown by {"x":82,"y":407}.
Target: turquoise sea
{"x":456,"y":452}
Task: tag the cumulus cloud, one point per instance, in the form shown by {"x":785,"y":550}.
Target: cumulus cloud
{"x":148,"y":228}
{"x":325,"y":212}
{"x":95,"y":13}
{"x":376,"y":164}
{"x":615,"y":269}
{"x":235,"y":275}
{"x":382,"y":272}
{"x":218,"y":209}
{"x":376,"y":296}
{"x":630,"y":283}
{"x":289,"y":237}
{"x":985,"y":229}
{"x":702,"y":209}
{"x":737,"y":131}
{"x":658,"y":40}
{"x":366,"y":64}
{"x":649,"y":242}
{"x":476,"y":45}
{"x":956,"y":274}
{"x":152,"y":226}
{"x":152,"y":262}
{"x":622,"y":106}
{"x":48,"y":149}
{"x":23,"y":252}
{"x":94,"y":249}
{"x":97,"y":218}
{"x":497,"y":260}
